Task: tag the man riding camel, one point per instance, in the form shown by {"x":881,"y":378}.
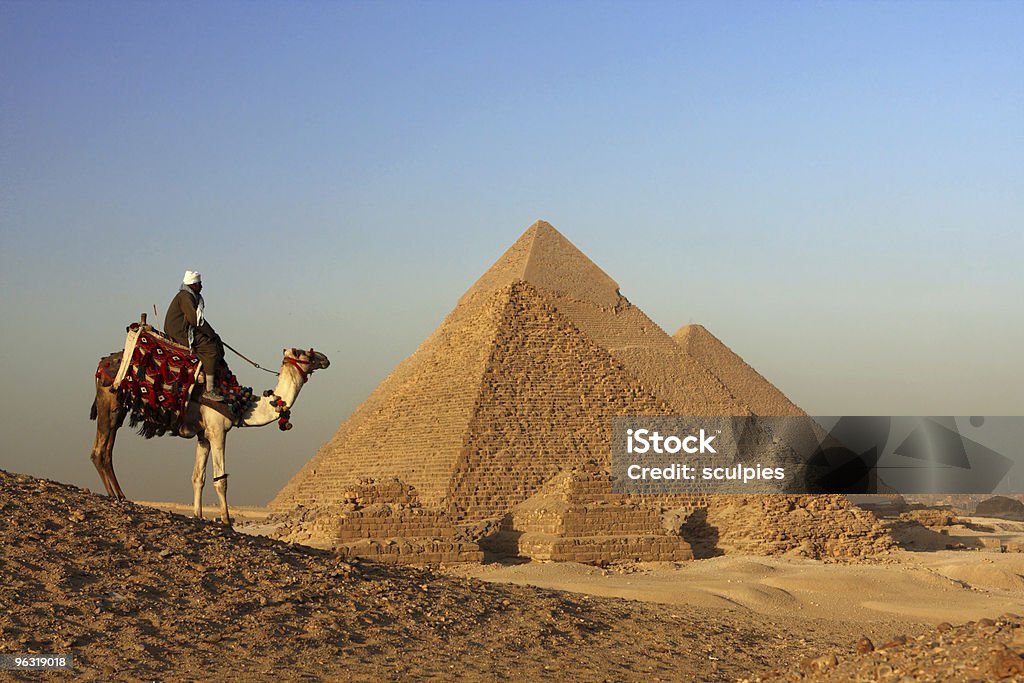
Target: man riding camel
{"x":185,"y":324}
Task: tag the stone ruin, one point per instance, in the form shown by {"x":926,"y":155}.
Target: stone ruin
{"x":575,"y":517}
{"x":517,"y":386}
{"x":382,"y":521}
{"x":818,"y":527}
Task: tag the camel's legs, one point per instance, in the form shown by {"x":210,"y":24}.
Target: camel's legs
{"x":116,"y":420}
{"x":99,"y":448}
{"x":108,"y":462}
{"x":109,"y":419}
{"x":199,"y":476}
{"x":220,"y":478}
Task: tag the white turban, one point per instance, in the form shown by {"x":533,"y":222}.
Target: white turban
{"x":191,"y":278}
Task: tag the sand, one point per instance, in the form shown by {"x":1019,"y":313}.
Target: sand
{"x":912,"y":587}
{"x":139,"y":593}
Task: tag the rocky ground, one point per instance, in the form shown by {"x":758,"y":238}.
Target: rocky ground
{"x":983,"y":650}
{"x":138,"y":593}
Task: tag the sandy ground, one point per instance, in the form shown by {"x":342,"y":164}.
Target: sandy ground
{"x":240,"y":513}
{"x":144,"y":594}
{"x":918,"y":587}
{"x":929,"y":585}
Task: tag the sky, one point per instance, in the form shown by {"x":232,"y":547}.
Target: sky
{"x":833,"y":189}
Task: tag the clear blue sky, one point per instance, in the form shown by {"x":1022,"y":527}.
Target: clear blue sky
{"x":834,"y":189}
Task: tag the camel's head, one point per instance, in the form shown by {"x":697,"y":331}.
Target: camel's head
{"x":308,"y":360}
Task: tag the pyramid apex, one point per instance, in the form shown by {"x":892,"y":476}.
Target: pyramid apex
{"x":542,"y":229}
{"x":693,"y":331}
{"x":545,"y":258}
{"x":541,"y":224}
{"x":694,"y":336}
{"x":558,"y":266}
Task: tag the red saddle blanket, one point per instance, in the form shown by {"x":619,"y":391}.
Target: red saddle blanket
{"x":159,"y":381}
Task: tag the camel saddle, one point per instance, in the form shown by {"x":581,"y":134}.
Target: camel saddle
{"x":155,"y":379}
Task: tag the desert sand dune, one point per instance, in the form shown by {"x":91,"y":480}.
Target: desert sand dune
{"x":944,"y":586}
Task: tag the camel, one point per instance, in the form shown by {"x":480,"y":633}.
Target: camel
{"x":208,"y":424}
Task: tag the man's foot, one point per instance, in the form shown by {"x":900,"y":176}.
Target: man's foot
{"x":213,"y":396}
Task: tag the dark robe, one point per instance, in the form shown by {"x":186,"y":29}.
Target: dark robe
{"x":181,"y":315}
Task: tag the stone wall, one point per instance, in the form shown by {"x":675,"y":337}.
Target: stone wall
{"x":930,"y":518}
{"x":383,"y":521}
{"x":403,"y":550}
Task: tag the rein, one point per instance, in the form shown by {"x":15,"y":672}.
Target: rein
{"x":278,"y":403}
{"x":250,"y":362}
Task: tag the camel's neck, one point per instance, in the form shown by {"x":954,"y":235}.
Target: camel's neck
{"x":289,"y":384}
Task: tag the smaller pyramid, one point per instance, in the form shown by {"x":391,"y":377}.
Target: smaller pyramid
{"x":575,"y":517}
{"x":741,"y":380}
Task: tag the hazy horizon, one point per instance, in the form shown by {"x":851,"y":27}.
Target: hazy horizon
{"x":833,"y":190}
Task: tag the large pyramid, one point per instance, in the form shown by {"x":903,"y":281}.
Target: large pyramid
{"x":518,"y":383}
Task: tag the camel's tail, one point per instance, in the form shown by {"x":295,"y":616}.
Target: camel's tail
{"x":93,"y":412}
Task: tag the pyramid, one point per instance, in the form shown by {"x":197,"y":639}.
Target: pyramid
{"x":733,"y":373}
{"x":519,"y":382}
{"x":575,"y":518}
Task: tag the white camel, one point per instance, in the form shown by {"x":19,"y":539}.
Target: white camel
{"x":210,"y":425}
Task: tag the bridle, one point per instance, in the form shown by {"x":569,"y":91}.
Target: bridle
{"x":297,"y":363}
{"x":278,"y":403}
